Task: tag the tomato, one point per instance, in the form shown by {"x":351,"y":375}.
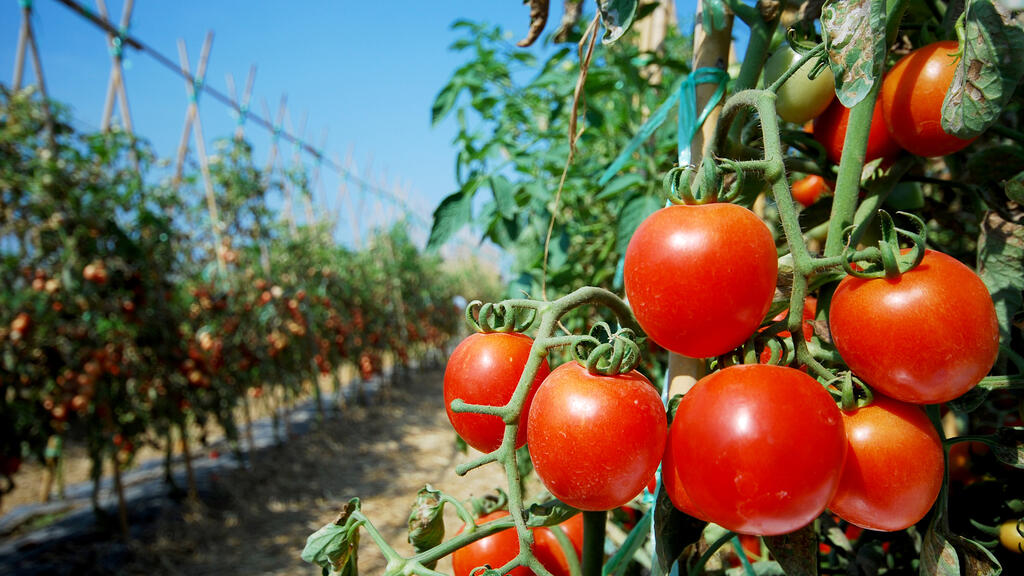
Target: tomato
{"x":1011,"y":536}
{"x":670,"y":472}
{"x":830,"y":131}
{"x":894,"y":466}
{"x":799,"y":99}
{"x":808,"y":189}
{"x":700,"y":279}
{"x":596,"y":440}
{"x":485,"y":369}
{"x":760,"y":448}
{"x":912,"y":95}
{"x":924,"y":337}
{"x":500,"y":548}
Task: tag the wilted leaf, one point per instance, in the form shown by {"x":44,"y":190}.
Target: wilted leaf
{"x":549,"y":513}
{"x":1001,"y":266}
{"x":617,"y":16}
{"x":854,"y":32}
{"x":796,"y":552}
{"x":538,"y":19}
{"x":334,"y":546}
{"x":989,"y":71}
{"x":1010,"y":449}
{"x":426,"y":520}
{"x":943,"y":552}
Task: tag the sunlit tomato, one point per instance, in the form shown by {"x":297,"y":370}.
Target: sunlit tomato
{"x":1011,"y":535}
{"x":670,"y":472}
{"x":894,"y":466}
{"x":500,"y":548}
{"x":808,"y":189}
{"x":485,"y":369}
{"x":700,"y":279}
{"x":800,"y":98}
{"x":830,"y":131}
{"x":596,"y":440}
{"x":912,"y":95}
{"x":924,"y":337}
{"x":760,"y":448}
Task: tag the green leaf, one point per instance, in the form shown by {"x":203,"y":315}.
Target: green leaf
{"x":619,"y":185}
{"x":633,"y":212}
{"x":426,"y":520}
{"x":549,"y":513}
{"x":444,"y":102}
{"x":558,"y":251}
{"x":796,"y":552}
{"x":1001,"y":267}
{"x":1010,"y":449}
{"x":674,"y":531}
{"x":1015,"y":188}
{"x":854,"y":32}
{"x":617,"y":16}
{"x":454,"y":212}
{"x":504,"y":196}
{"x":989,"y":71}
{"x":334,"y":546}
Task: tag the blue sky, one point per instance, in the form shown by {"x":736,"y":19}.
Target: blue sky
{"x":366,"y":71}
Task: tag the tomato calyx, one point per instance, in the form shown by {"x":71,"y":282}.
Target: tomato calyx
{"x":853,"y":393}
{"x":607,"y":353}
{"x":886,"y":260}
{"x":506,"y":316}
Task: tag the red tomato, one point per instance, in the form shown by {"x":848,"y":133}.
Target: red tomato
{"x":925,"y":337}
{"x":911,"y":99}
{"x":760,"y":448}
{"x":485,"y":369}
{"x":830,"y":131}
{"x":500,"y":548}
{"x":595,"y":440}
{"x":894,"y":466}
{"x":670,"y":472}
{"x":700,"y":279}
{"x":808,"y":189}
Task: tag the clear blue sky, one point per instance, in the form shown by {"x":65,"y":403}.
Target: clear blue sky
{"x":366,"y":71}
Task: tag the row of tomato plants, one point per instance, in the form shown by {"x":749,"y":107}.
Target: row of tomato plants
{"x":123,"y":322}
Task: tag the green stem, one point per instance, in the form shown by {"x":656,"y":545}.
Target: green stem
{"x":1015,"y":382}
{"x":703,"y":560}
{"x":987,"y":439}
{"x":593,"y":542}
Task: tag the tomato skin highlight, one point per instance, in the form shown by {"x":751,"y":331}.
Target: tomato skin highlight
{"x":760,"y":448}
{"x":700,"y":279}
{"x":911,"y":99}
{"x":500,"y":548}
{"x":894,"y":466}
{"x":925,"y":337}
{"x":596,"y":440}
{"x":485,"y":369}
{"x":830,"y":131}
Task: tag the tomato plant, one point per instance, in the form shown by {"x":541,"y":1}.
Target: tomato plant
{"x":700,"y":279}
{"x":595,"y":440}
{"x":894,"y":466}
{"x":830,"y":130}
{"x":911,"y":100}
{"x":925,"y":337}
{"x":799,"y":99}
{"x":760,"y":448}
{"x":485,"y":369}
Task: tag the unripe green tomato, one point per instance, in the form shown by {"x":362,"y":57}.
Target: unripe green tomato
{"x":800,"y":99}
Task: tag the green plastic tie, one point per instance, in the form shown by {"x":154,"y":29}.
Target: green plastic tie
{"x":25,"y":4}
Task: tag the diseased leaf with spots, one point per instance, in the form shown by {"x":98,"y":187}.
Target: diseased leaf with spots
{"x":617,"y":16}
{"x":1001,"y":266}
{"x":854,"y":32}
{"x":988,"y":72}
{"x":796,"y":552}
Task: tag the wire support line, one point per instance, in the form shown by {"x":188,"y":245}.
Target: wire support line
{"x":318,"y":155}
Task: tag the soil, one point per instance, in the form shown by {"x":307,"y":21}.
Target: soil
{"x":256,"y":520}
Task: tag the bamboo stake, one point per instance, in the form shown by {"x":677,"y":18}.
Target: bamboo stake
{"x":711,"y":49}
{"x":27,"y":45}
{"x":115,"y":86}
{"x":314,"y":184}
{"x":275,"y":139}
{"x":243,"y":104}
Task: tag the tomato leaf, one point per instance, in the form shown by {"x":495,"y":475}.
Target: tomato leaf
{"x":988,"y":72}
{"x":1001,"y":266}
{"x":504,"y":195}
{"x":796,"y":552}
{"x":549,"y":513}
{"x":426,"y":520}
{"x":1015,"y":188}
{"x":971,"y":400}
{"x":444,"y":102}
{"x":1010,"y":449}
{"x":333,"y":547}
{"x":943,"y":553}
{"x":854,"y":32}
{"x":617,"y":16}
{"x":454,"y":212}
{"x":633,"y":212}
{"x":620,"y":184}
{"x":674,"y":531}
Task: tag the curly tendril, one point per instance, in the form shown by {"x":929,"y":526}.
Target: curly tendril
{"x":607,"y":353}
{"x":499,"y":317}
{"x":677,"y":182}
{"x":890,"y":261}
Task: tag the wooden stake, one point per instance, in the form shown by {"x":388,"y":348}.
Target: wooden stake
{"x":243,"y":105}
{"x":115,"y":86}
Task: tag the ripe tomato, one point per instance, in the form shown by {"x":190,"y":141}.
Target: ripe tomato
{"x":911,"y":100}
{"x":485,"y":369}
{"x":700,"y":279}
{"x":925,"y":337}
{"x":894,"y":466}
{"x":800,"y":98}
{"x":830,"y":131}
{"x":808,"y":189}
{"x":500,"y":548}
{"x":596,"y":440}
{"x":760,"y":448}
{"x":670,"y":472}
